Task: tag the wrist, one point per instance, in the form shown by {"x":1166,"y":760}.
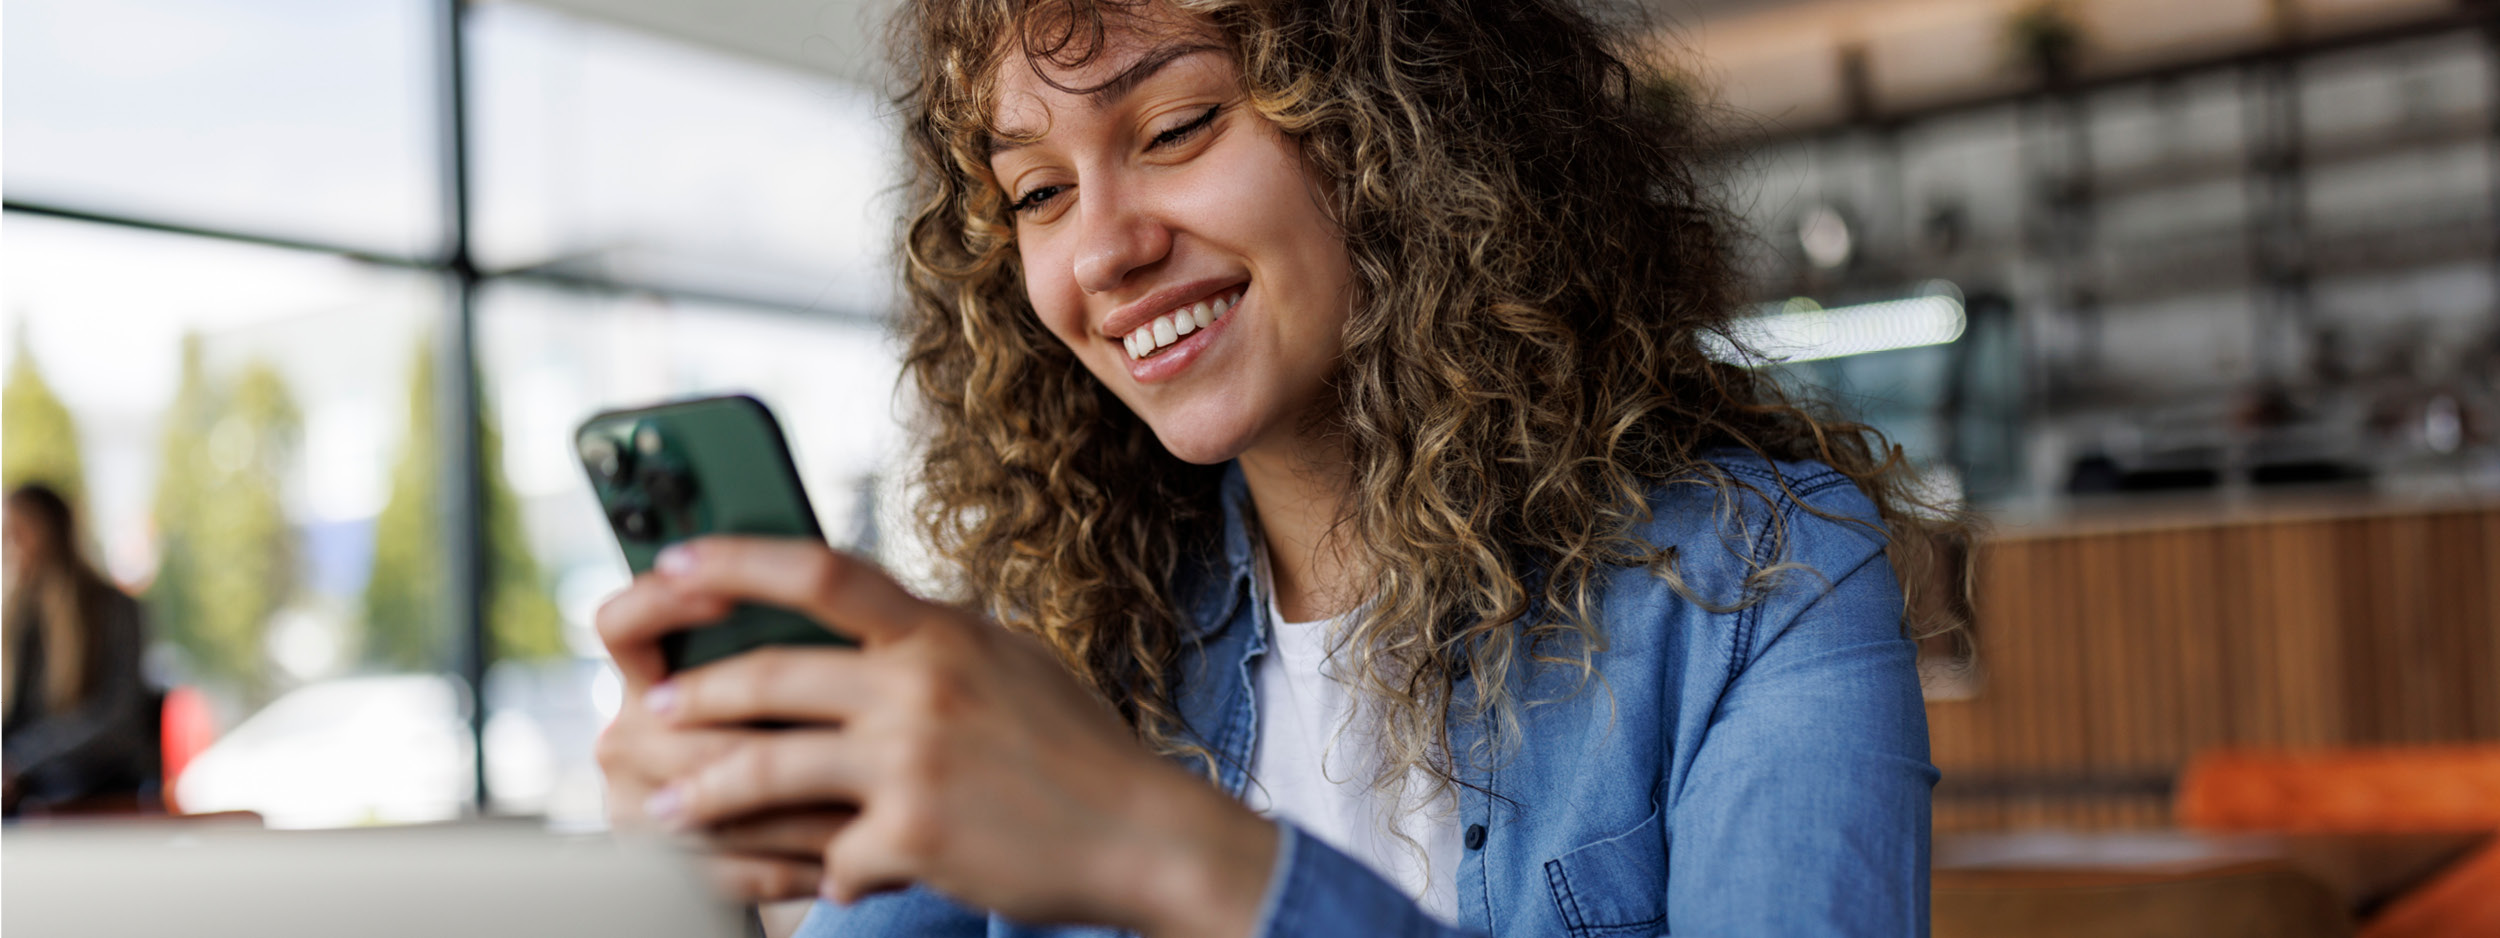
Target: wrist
{"x":1199,"y":864}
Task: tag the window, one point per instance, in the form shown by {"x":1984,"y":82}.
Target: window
{"x":234,"y":328}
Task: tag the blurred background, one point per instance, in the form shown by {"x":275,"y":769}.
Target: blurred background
{"x":253,"y":255}
{"x":2198,"y":302}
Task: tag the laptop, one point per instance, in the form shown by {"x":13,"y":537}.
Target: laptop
{"x":470,"y":880}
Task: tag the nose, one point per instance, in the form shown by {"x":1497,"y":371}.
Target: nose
{"x":1117,"y":233}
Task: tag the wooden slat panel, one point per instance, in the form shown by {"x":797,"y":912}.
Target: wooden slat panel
{"x":2111,"y":656}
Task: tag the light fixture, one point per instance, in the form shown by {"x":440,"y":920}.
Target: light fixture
{"x":1801,"y":330}
{"x":2443,"y":425}
{"x":1824,"y":237}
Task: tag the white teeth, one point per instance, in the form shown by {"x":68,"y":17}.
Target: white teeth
{"x":1169,"y":328}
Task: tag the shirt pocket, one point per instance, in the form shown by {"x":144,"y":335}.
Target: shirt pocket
{"x":1616,"y":886}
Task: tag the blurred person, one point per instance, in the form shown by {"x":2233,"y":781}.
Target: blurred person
{"x":1351,"y":527}
{"x":81,"y":732}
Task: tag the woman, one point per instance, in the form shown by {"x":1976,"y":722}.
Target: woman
{"x":81,"y":726}
{"x":1323,"y":402}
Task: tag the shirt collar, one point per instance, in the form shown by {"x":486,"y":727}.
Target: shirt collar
{"x":1218,"y":593}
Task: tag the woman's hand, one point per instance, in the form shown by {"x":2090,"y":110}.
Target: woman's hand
{"x":764,"y":859}
{"x":977,"y":764}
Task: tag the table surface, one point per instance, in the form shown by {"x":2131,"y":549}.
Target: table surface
{"x":2365,"y":870}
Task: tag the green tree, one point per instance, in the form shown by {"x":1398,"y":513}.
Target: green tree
{"x":174,"y":597}
{"x":406,"y":603}
{"x":403,"y":594}
{"x":229,"y":556}
{"x":40,"y":440}
{"x":521,"y":611}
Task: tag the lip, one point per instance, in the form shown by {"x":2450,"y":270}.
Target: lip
{"x":1126,"y":319}
{"x":1163,"y":365}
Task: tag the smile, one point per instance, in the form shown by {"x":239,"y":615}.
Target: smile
{"x":1165,"y":330}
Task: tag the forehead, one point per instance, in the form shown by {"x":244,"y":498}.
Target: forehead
{"x":1050,"y":74}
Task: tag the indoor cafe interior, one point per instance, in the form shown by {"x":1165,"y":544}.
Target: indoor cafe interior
{"x":2195,"y":306}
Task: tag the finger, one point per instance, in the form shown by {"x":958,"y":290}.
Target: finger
{"x":642,"y":749}
{"x":754,"y":879}
{"x":789,"y":683}
{"x":793,"y":833}
{"x":639,"y":760}
{"x":631,"y":622}
{"x":776,"y":769}
{"x":843,"y":592}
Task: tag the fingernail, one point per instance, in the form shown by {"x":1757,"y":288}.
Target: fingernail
{"x":667,"y":806}
{"x":661,"y":698}
{"x":674,"y":560}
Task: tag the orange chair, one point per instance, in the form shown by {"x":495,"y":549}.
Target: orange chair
{"x":2418,"y":789}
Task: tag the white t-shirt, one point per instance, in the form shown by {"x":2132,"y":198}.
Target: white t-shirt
{"x":1314,"y":766}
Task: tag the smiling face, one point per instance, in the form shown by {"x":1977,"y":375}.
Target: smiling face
{"x":1174,"y":239}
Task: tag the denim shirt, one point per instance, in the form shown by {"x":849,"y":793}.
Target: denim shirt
{"x":1758,"y":771}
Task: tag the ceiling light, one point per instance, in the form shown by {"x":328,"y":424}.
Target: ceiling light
{"x":1801,"y":330}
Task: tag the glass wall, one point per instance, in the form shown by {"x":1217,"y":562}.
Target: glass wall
{"x":228,"y":293}
{"x":605,"y":153}
{"x":240,"y":424}
{"x":299,"y":119}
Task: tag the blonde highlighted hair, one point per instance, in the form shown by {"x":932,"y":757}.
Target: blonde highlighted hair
{"x":1541,"y":269}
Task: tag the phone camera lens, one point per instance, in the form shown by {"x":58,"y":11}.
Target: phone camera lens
{"x":647,"y":440}
{"x":604,"y":458}
{"x":636,"y":522}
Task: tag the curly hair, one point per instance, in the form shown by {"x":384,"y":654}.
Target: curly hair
{"x":1542,"y":268}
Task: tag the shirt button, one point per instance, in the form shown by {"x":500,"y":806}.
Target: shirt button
{"x":1475,"y":836}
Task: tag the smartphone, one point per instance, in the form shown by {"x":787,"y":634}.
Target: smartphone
{"x":684,"y":469}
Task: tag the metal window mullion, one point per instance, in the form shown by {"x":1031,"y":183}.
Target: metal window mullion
{"x":467,"y":563}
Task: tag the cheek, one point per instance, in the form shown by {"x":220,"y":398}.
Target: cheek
{"x":1285,"y":214}
{"x":1320,"y":283}
{"x":1050,"y":286}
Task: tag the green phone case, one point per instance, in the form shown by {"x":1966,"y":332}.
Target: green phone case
{"x":683,"y":469}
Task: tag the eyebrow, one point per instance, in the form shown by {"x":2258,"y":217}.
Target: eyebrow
{"x":1110,"y":92}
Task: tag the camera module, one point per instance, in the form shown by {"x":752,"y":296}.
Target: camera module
{"x":605,"y":460}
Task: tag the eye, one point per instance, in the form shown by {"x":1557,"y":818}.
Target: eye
{"x":1185,"y":131}
{"x":1034,"y":199}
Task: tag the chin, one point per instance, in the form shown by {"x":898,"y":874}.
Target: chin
{"x":1200,"y":441}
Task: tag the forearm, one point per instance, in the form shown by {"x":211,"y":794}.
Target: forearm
{"x":1197,"y":864}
